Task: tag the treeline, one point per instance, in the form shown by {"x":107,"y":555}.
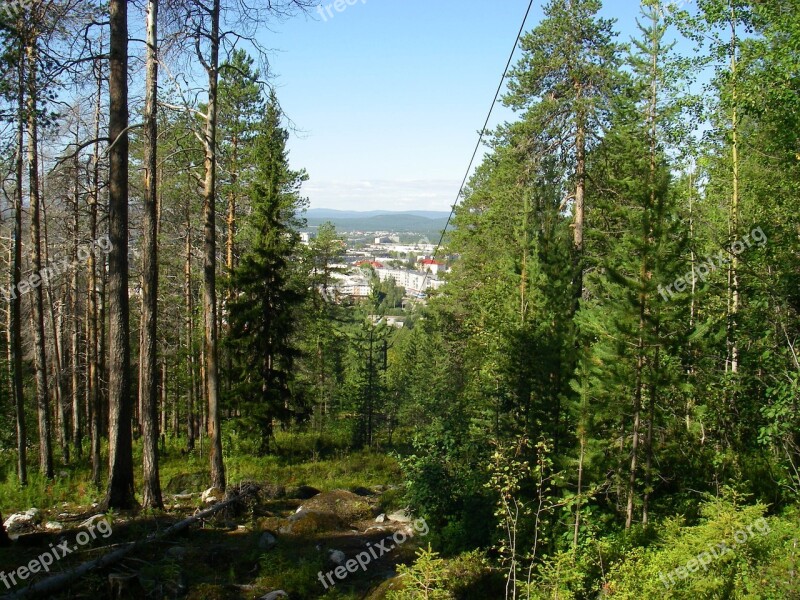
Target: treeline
{"x":154,"y":282}
{"x":155,"y":285}
{"x":617,"y":343}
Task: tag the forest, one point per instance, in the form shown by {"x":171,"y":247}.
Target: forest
{"x":603,"y":399}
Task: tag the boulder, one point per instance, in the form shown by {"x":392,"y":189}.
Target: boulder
{"x":337,"y":557}
{"x":53,"y":526}
{"x":267,"y":541}
{"x":212,"y":495}
{"x":348,"y":506}
{"x":395,"y":584}
{"x":186,"y":481}
{"x":20,"y":521}
{"x":309,"y":522}
{"x":401,"y":516}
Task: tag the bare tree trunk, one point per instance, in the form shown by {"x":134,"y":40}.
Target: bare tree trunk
{"x":15,"y":310}
{"x":120,"y":477}
{"x":580,"y":187}
{"x":148,"y":379}
{"x":42,"y":398}
{"x":92,"y":349}
{"x":189,"y":326}
{"x":209,"y":256}
{"x":733,"y":270}
{"x":77,"y":429}
{"x":637,"y":403}
{"x":57,"y":330}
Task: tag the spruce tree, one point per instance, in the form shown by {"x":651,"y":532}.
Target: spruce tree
{"x":269,"y":293}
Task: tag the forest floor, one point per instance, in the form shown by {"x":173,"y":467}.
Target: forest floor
{"x":310,"y":515}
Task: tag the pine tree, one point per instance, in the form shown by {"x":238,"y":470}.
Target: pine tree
{"x":263,"y":314}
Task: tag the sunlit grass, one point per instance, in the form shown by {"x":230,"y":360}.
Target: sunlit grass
{"x":320,"y":461}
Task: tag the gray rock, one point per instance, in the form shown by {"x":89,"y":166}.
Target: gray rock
{"x":53,"y":526}
{"x":212,"y":495}
{"x":267,"y":541}
{"x":19,"y":521}
{"x":337,"y":557}
{"x":381,"y":518}
{"x":400,"y":516}
{"x":275,"y":595}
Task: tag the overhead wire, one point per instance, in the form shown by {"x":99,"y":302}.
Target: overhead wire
{"x":480,"y":139}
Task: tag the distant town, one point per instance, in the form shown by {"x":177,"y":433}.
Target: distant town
{"x":405,"y":258}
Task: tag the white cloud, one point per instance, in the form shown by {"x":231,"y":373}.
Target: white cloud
{"x":434,"y":194}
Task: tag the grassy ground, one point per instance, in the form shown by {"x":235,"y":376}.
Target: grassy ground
{"x":300,"y":459}
{"x":221,"y":559}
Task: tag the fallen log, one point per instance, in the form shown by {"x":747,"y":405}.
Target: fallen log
{"x":57,"y":582}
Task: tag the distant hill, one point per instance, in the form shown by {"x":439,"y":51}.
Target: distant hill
{"x":421,"y":221}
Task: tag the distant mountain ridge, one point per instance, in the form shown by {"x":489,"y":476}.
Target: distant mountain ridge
{"x":328,"y":213}
{"x":412,"y":221}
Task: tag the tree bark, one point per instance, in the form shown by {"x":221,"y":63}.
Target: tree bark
{"x":189,"y":326}
{"x":40,"y":355}
{"x":92,"y":349}
{"x":120,"y":479}
{"x":57,"y":330}
{"x":77,"y":429}
{"x":148,"y":379}
{"x":209,"y":256}
{"x":733,"y":272}
{"x":15,"y":310}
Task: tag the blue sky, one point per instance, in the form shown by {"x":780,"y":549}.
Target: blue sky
{"x":387,"y":96}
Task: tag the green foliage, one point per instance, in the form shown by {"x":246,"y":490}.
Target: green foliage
{"x":424,"y":580}
{"x":726,"y":555}
{"x":269,"y":290}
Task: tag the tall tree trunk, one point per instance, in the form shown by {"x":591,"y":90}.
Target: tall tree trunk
{"x":148,"y":379}
{"x":120,"y":477}
{"x":733,"y":228}
{"x":57,"y":330}
{"x":15,"y":310}
{"x":189,"y":326}
{"x":230,"y":222}
{"x":637,"y":393}
{"x":42,"y":397}
{"x":92,"y":350}
{"x":580,"y":186}
{"x":77,"y":429}
{"x":648,"y":240}
{"x":209,"y":257}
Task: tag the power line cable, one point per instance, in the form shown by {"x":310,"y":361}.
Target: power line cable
{"x":480,"y":138}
